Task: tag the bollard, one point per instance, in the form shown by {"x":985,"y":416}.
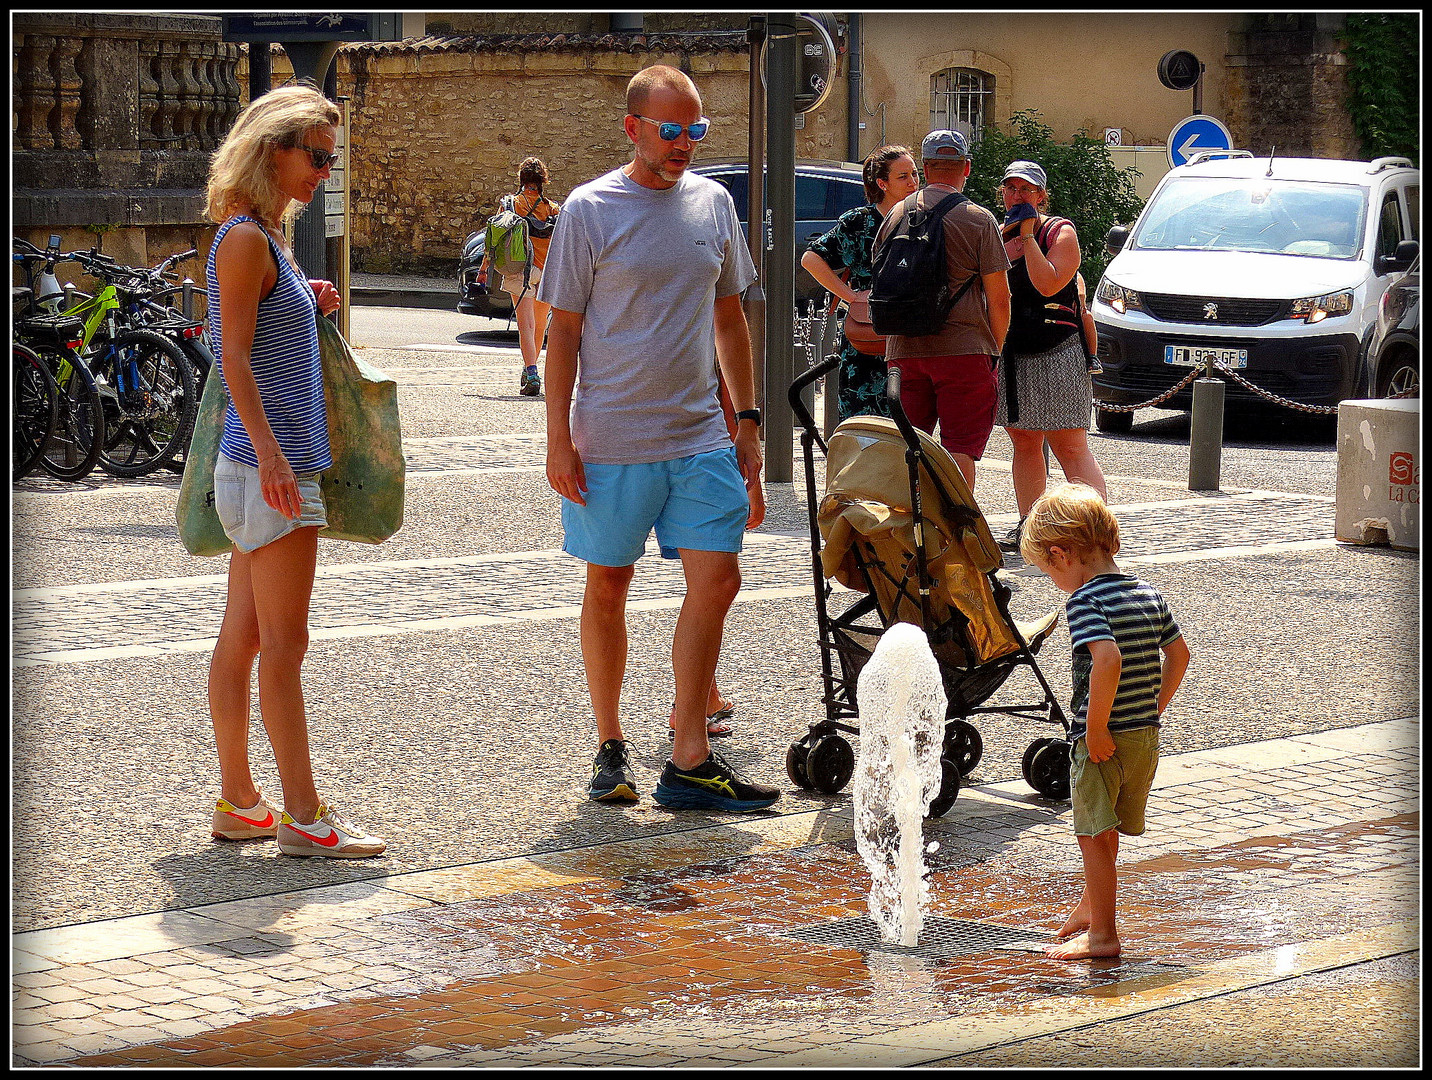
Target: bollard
{"x":1205,"y":435}
{"x":188,"y":293}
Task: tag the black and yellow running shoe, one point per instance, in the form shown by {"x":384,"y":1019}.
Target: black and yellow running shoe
{"x":712,"y":785}
{"x":612,"y":779}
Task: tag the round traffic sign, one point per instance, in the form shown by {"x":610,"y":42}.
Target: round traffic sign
{"x":1179,"y":69}
{"x":1195,"y":133}
{"x":815,"y":61}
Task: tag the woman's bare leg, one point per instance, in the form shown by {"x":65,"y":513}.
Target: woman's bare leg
{"x":282,"y":577}
{"x":1071,"y":449}
{"x":230,"y":672}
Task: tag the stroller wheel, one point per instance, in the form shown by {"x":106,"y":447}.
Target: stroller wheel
{"x":829,"y":764}
{"x":1049,"y":771}
{"x":963,"y":745}
{"x":1028,"y":759}
{"x":796,"y":755}
{"x":949,"y":788}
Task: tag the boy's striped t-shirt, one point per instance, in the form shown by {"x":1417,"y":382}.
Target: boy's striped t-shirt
{"x":1131,"y":613}
{"x":285,"y":362}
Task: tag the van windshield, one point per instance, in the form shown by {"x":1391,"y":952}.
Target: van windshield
{"x":1283,"y":217}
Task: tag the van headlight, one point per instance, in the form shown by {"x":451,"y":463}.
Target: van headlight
{"x":1317,"y":308}
{"x":1118,"y":297}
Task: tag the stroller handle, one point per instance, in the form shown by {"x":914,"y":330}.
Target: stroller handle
{"x":897,"y":411}
{"x":804,"y":379}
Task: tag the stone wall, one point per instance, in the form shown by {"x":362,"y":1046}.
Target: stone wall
{"x":1287,"y":87}
{"x":114,"y":118}
{"x":439,"y":125}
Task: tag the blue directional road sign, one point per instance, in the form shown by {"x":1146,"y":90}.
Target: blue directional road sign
{"x":1195,"y":133}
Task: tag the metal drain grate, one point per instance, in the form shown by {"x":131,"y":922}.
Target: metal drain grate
{"x":939,"y":938}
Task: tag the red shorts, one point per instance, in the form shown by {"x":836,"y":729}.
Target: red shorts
{"x":958,"y":391}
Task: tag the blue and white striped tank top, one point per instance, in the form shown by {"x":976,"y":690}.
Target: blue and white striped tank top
{"x":285,"y":364}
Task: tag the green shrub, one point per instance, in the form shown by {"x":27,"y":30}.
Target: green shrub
{"x":1085,"y":185}
{"x":1382,"y":80}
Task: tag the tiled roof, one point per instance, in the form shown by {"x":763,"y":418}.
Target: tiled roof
{"x":699,"y":42}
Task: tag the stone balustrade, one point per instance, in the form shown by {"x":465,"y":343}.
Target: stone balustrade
{"x":114,"y":116}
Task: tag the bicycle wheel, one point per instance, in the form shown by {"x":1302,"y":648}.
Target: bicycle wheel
{"x":36,"y":408}
{"x":79,"y":431}
{"x":201,"y":360}
{"x":148,"y":388}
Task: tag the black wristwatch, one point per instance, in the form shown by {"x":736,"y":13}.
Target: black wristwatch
{"x":749,"y":414}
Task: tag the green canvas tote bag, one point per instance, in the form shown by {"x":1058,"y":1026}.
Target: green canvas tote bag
{"x":362,"y":491}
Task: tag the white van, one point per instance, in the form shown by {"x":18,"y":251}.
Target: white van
{"x":1274,"y":267}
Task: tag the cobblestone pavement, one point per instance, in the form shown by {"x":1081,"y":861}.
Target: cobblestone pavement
{"x":514,"y":923}
{"x":679,"y":950}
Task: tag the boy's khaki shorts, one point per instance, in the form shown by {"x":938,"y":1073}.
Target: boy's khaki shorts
{"x":1113,"y":793}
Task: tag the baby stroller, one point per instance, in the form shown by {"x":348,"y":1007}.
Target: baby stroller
{"x":912,"y":540}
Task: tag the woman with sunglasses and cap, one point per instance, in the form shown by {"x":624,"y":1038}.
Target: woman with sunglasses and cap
{"x":274,"y":445}
{"x":1045,"y":386}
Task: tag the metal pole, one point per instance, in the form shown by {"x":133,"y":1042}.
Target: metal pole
{"x":780,"y":264}
{"x":312,"y":60}
{"x":260,"y":69}
{"x":755,"y":301}
{"x":1205,"y":434}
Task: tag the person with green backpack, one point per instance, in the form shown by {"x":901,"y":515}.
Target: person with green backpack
{"x":516,"y":242}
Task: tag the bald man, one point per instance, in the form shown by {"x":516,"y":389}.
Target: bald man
{"x":644,"y":277}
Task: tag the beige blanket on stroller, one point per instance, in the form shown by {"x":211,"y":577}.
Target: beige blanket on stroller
{"x":867,"y":504}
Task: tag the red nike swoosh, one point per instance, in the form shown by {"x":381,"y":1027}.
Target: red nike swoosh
{"x":331,"y":840}
{"x":264,"y":824}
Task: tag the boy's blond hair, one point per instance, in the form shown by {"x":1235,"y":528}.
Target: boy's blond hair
{"x":1073,"y":517}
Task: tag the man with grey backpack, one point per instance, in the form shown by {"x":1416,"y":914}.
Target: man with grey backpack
{"x":940,"y":292}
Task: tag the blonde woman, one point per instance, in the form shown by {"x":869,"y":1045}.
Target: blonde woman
{"x":266,"y":479}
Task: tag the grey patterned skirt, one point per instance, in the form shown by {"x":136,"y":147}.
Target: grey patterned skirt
{"x":1055,"y":389}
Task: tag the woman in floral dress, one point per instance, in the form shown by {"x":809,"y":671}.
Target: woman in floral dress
{"x":840,"y":262}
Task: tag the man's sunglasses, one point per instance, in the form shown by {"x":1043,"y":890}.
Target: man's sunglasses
{"x":670,"y":132}
{"x":321,"y":158}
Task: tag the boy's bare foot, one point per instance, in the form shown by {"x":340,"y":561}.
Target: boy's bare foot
{"x":1077,"y":923}
{"x":1083,"y":948}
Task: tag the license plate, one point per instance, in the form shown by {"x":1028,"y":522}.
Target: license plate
{"x":1197,"y":356}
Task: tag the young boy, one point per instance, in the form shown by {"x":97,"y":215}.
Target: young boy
{"x":1117,"y":625}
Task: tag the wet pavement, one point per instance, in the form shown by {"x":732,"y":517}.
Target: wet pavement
{"x":1270,"y":914}
{"x":695,"y":948}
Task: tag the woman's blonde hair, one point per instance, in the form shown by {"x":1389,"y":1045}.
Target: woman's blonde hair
{"x":241,"y":173}
{"x":1073,"y":517}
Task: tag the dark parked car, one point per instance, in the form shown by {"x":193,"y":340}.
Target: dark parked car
{"x":824,"y":191}
{"x":1395,"y":355}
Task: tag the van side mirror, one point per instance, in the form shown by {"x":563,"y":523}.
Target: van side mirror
{"x":1117,"y":238}
{"x":1400,"y":260}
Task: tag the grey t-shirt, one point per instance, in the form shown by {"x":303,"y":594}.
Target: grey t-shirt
{"x":644,"y":268}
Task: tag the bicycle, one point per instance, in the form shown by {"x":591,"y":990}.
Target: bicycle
{"x":147,"y":296}
{"x":35,"y":409}
{"x":145,"y":381}
{"x":75,"y":442}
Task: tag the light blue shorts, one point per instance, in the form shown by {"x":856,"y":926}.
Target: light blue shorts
{"x":249,"y":521}
{"x":697,"y":502}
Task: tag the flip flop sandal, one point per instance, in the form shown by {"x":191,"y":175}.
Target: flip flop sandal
{"x":718,"y":724}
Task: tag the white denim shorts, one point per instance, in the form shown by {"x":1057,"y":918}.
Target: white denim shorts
{"x":249,"y":521}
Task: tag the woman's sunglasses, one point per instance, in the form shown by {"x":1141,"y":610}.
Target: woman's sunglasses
{"x":670,"y":132}
{"x":321,"y":159}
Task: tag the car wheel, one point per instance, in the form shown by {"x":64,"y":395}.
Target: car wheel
{"x":1401,"y":379}
{"x":1114,"y":423}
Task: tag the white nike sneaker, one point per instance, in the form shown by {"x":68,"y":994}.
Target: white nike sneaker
{"x":235,"y":823}
{"x":332,"y":836}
